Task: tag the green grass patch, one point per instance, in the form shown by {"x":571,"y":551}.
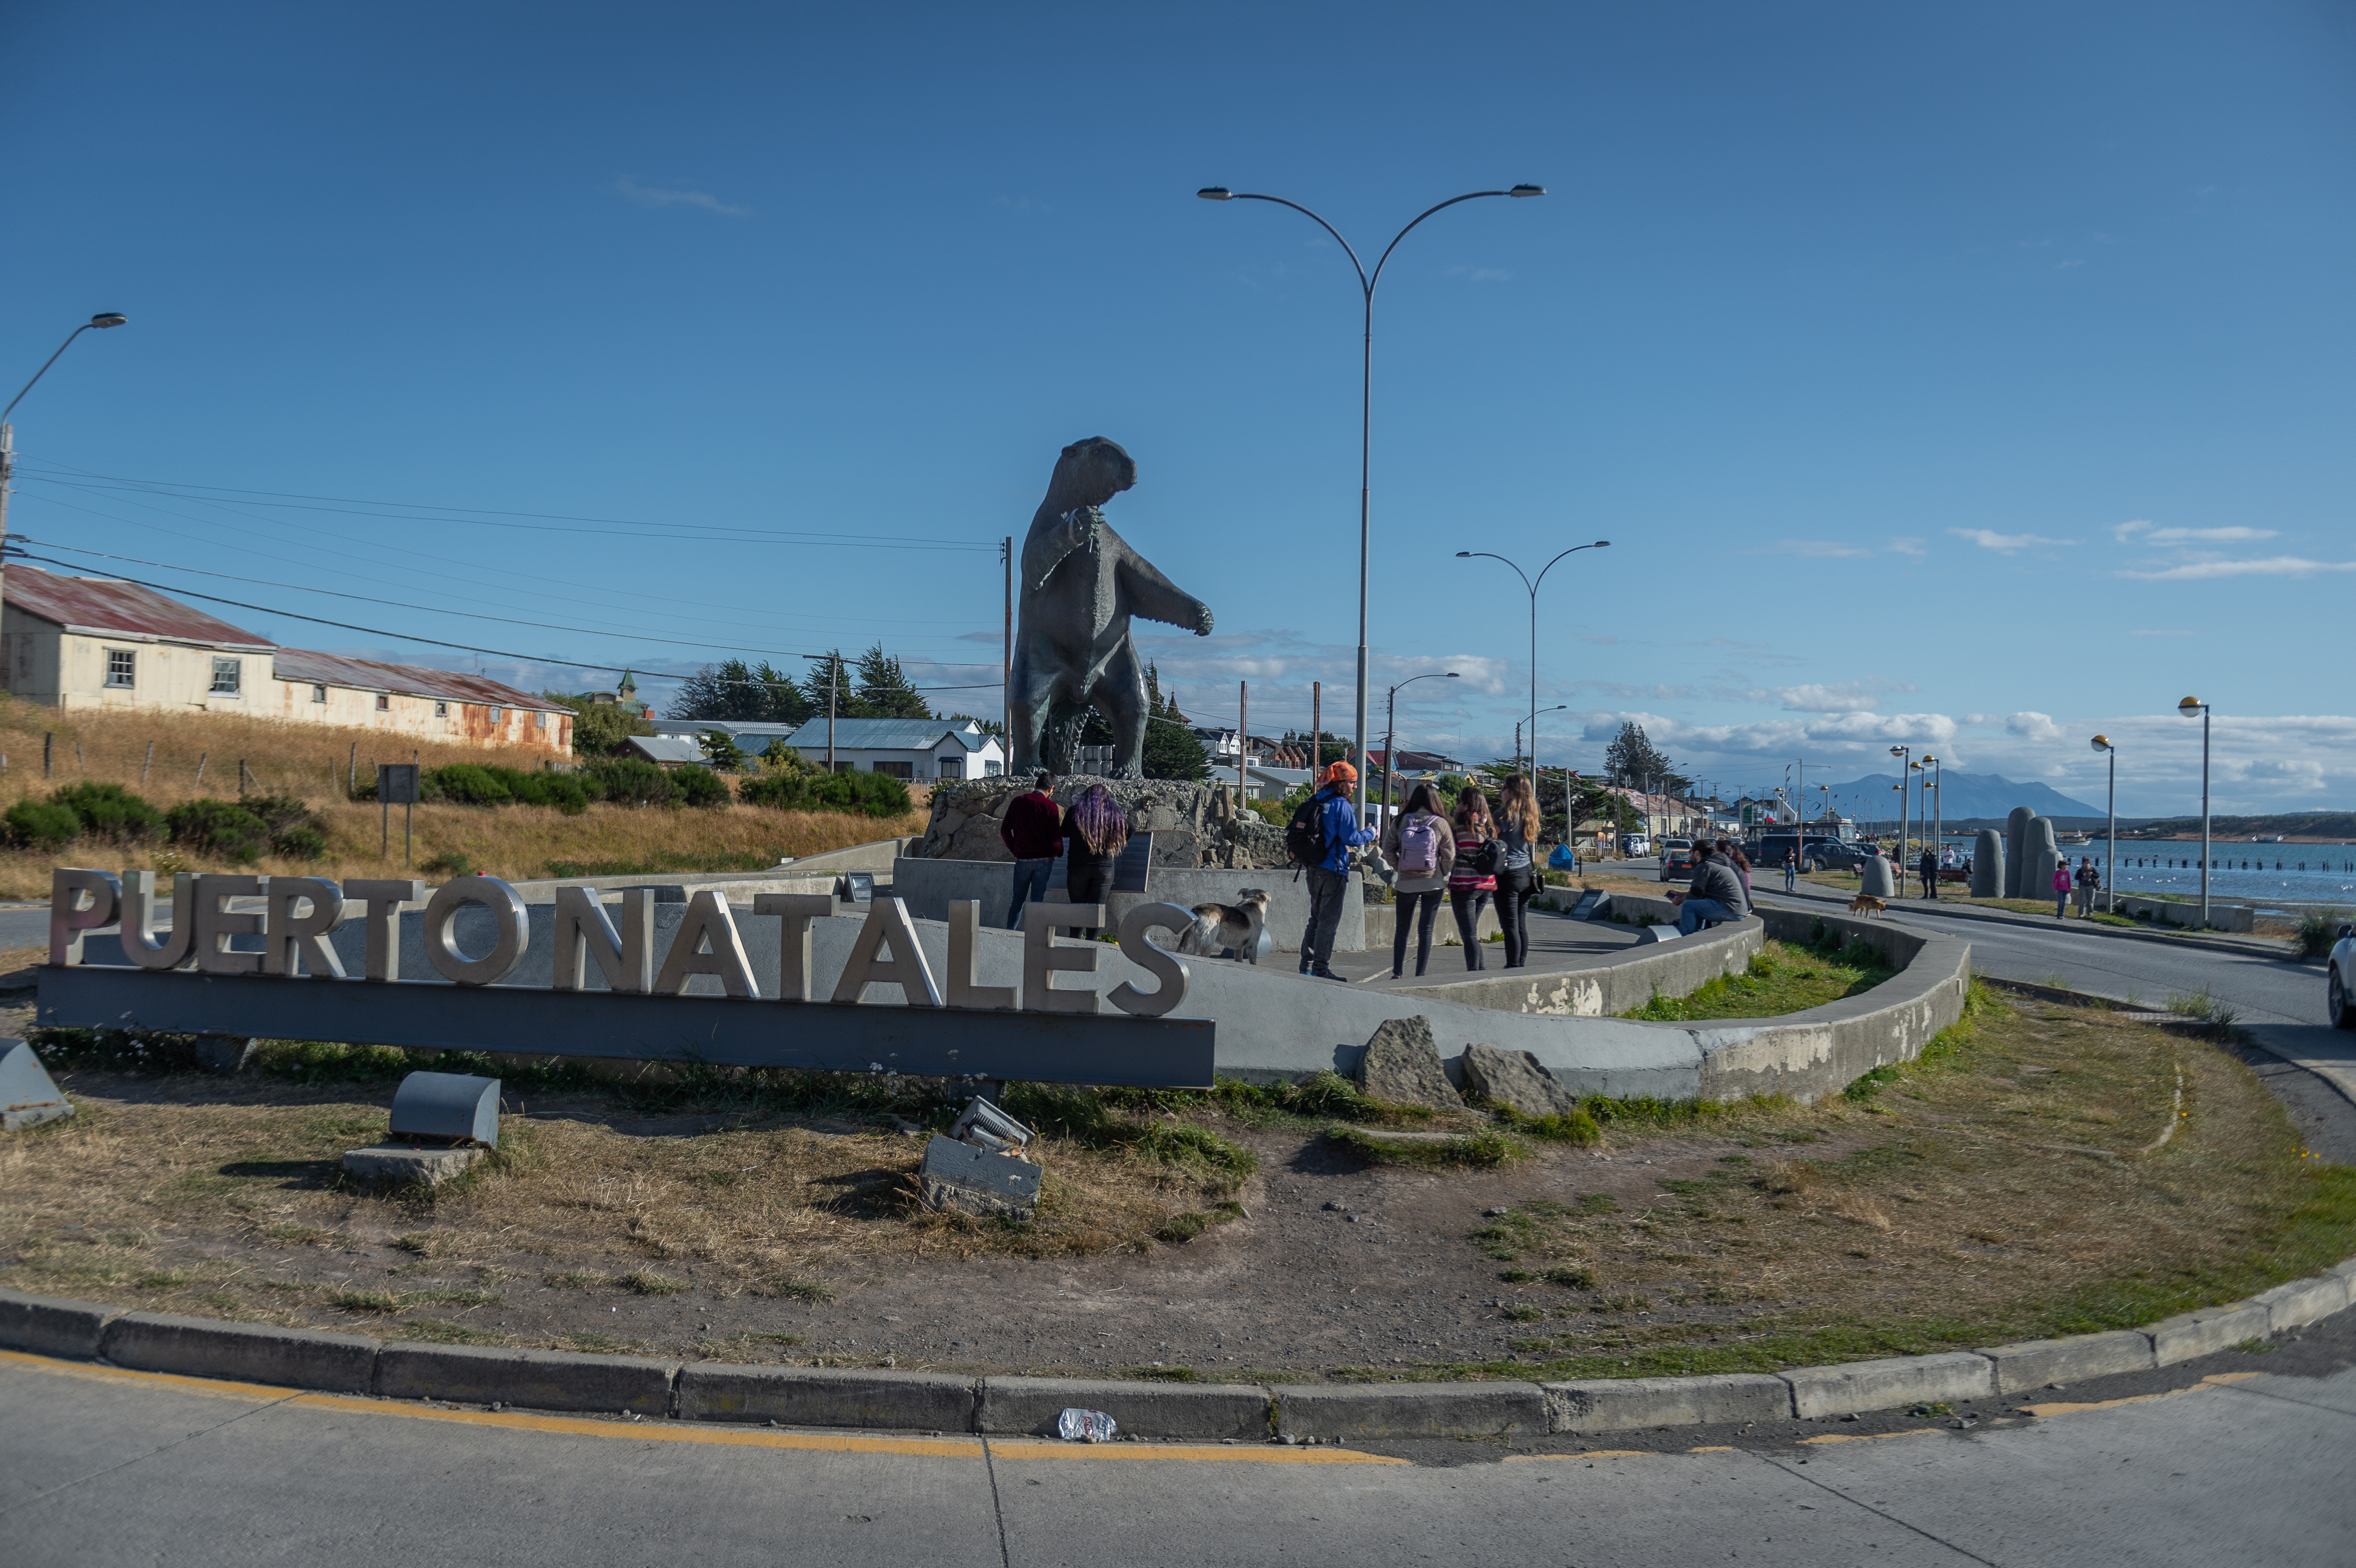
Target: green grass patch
{"x":1781,"y":977}
{"x":1485,"y":1149}
{"x":1179,"y":1229}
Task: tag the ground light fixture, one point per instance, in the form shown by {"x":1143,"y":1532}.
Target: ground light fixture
{"x":2103,"y":747}
{"x":2193,"y":708}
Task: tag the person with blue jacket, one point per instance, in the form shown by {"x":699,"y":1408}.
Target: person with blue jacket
{"x":1329,"y":880}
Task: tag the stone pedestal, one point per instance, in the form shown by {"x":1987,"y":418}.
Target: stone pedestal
{"x":402,"y":1164}
{"x":1987,"y":864}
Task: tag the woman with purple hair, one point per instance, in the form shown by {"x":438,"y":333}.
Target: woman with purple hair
{"x":1096,"y":830}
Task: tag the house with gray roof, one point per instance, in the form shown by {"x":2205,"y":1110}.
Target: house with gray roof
{"x":913,"y":749}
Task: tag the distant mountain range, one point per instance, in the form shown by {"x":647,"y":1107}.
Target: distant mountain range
{"x":1961,"y":795}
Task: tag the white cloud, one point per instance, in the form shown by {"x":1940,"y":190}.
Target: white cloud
{"x":2223,"y":536}
{"x":2032,"y":726}
{"x":1987,"y":539}
{"x":1912,"y":547}
{"x":653,"y":196}
{"x":2125,"y":532}
{"x":1820,"y":550}
{"x":2272,"y":566}
{"x":1849,"y":696}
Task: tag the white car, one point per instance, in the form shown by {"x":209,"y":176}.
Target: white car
{"x":2337,"y":1001}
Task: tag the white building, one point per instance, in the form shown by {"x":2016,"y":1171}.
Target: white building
{"x":913,"y":749}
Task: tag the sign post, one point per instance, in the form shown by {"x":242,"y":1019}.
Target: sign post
{"x":397,"y":782}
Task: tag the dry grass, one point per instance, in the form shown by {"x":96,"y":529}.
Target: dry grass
{"x":515,"y":842}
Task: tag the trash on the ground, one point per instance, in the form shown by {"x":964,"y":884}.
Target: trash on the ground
{"x":984,"y":1126}
{"x":1494,"y":1214}
{"x":1077,"y":1425}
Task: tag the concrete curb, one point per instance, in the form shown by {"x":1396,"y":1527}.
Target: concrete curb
{"x":807,"y":1396}
{"x":2223,"y":941}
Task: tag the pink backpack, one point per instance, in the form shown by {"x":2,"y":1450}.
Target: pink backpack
{"x":1419,"y":845}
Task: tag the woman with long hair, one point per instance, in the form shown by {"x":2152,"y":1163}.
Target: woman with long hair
{"x":1096,"y":830}
{"x":1468,"y":887}
{"x":1421,"y":847}
{"x":1518,"y":875}
{"x":1741,"y":864}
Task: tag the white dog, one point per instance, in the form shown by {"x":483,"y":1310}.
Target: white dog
{"x":1218,"y":927}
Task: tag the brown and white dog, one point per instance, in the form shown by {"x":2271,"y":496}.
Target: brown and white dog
{"x":1218,"y":927}
{"x":1867,"y":905}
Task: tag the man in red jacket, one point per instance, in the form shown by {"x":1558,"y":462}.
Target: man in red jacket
{"x":1030,"y":830}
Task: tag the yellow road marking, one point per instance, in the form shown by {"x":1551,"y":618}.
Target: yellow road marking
{"x":1866,"y":1436}
{"x":1590,"y":1454}
{"x":1003,"y":1449}
{"x":2067,"y":1407}
{"x":212,"y":1388}
{"x":1721,"y":1449}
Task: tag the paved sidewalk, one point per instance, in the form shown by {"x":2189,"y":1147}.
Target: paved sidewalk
{"x":1771,"y":892}
{"x":1557,"y":944}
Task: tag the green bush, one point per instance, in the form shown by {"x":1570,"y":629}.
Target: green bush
{"x":701,"y":786}
{"x":42,"y":825}
{"x":300,"y":842}
{"x":630,"y":781}
{"x":467,"y":784}
{"x":866,"y":795}
{"x":219,"y":827}
{"x":2319,"y":933}
{"x":110,"y":811}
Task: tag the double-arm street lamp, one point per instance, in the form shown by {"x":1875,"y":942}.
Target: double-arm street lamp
{"x":2110,"y":833}
{"x":1367,"y":282}
{"x":1905,"y":755}
{"x":1390,"y":734}
{"x":101,"y":321}
{"x":2190,"y":707}
{"x":1532,"y":584}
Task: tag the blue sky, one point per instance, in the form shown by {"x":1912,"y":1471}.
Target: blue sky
{"x":1968,"y":380}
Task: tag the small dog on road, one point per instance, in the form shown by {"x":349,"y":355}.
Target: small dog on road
{"x":1867,"y":905}
{"x":1218,"y":927}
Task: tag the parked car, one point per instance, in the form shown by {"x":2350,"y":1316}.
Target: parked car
{"x":2337,"y":1004}
{"x":1676,"y":859}
{"x":1832,"y":854}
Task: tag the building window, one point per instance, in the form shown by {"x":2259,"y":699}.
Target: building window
{"x":896,"y":770}
{"x":383,"y":703}
{"x":540,"y":720}
{"x":227,"y":674}
{"x":498,"y":715}
{"x":989,"y":769}
{"x":122,"y":668}
{"x":952,"y":767}
{"x":318,"y":692}
{"x":441,"y":711}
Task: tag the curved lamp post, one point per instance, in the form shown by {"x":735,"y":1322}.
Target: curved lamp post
{"x":2111,"y":833}
{"x":1532,"y":584}
{"x":101,"y":322}
{"x":2188,"y":708}
{"x":1367,"y":282}
{"x":1390,"y":734}
{"x":1938,"y":814}
{"x":1905,"y":755}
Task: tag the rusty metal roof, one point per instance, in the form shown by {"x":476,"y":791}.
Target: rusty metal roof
{"x":407,"y":681}
{"x":100,"y":606}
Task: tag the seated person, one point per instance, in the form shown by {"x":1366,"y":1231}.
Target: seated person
{"x":1715,"y":893}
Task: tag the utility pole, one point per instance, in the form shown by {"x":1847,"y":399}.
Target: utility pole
{"x":1243,"y":738}
{"x":1006,"y":651}
{"x":833,"y":689}
{"x":1316,"y":730}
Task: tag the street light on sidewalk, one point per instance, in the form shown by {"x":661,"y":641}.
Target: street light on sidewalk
{"x":1390,"y":733}
{"x":100,"y":321}
{"x":2189,"y":707}
{"x":2110,"y":833}
{"x":1938,"y":816}
{"x":1367,"y":284}
{"x":1532,"y":586}
{"x":1905,"y":754}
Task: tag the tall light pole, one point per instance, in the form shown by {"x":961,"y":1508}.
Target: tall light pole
{"x":2110,"y":833}
{"x":101,"y":321}
{"x":1905,"y":755}
{"x":2189,"y":707}
{"x":1532,"y":586}
{"x":1938,"y":808}
{"x":1390,"y":733}
{"x":1367,"y":283}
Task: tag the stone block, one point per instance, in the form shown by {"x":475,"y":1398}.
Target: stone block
{"x":1987,"y":864}
{"x":1350,"y":1411}
{"x":245,"y":1352}
{"x":2030,"y":1365}
{"x":2303,"y":1301}
{"x":537,"y":1380}
{"x":1887,"y":1384}
{"x":47,"y":1328}
{"x":821,"y":1396}
{"x":405,"y":1163}
{"x":2192,"y":1334}
{"x":1624,"y":1405}
{"x":1517,"y":1078}
{"x":976,"y":1180}
{"x":1012,"y":1406}
{"x":1402,"y":1066}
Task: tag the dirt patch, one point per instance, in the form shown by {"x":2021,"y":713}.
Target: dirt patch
{"x":2012,"y":1184}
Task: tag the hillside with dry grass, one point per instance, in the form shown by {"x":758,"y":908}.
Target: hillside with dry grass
{"x":169,"y":758}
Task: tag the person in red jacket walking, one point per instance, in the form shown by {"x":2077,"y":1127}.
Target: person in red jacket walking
{"x":1032,"y":831}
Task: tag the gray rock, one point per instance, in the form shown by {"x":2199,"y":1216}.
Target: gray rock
{"x":1988,"y":864}
{"x":1517,"y":1079}
{"x":1402,"y":1066}
{"x":1881,"y":877}
{"x":2016,"y":847}
{"x":404,"y":1163}
{"x":2041,"y":855}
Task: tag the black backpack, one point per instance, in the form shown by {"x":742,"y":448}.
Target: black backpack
{"x":1304,"y":836}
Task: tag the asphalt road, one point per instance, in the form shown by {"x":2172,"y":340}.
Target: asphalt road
{"x":100,"y":1467}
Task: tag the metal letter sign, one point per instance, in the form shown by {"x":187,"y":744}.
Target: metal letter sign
{"x":265,"y":966}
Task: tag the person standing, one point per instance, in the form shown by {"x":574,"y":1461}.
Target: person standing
{"x":1030,"y":832}
{"x":1518,"y":872}
{"x":2061,"y":889}
{"x":1337,"y":833}
{"x":2089,"y":882}
{"x":1097,"y":830}
{"x":1927,"y":867}
{"x":1790,"y":870}
{"x":1468,"y":887}
{"x":1420,"y":845}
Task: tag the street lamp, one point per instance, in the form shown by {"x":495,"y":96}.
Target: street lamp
{"x":101,"y":322}
{"x":1390,"y":734}
{"x":1905,"y":814}
{"x":1367,"y":283}
{"x":2189,"y":707}
{"x":2111,"y":833}
{"x":1532,"y":587}
{"x":1938,"y":809}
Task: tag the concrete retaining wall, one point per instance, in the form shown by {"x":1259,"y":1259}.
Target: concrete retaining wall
{"x":2168,"y":911}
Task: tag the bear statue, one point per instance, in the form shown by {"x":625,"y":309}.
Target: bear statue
{"x":1081,"y":583}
